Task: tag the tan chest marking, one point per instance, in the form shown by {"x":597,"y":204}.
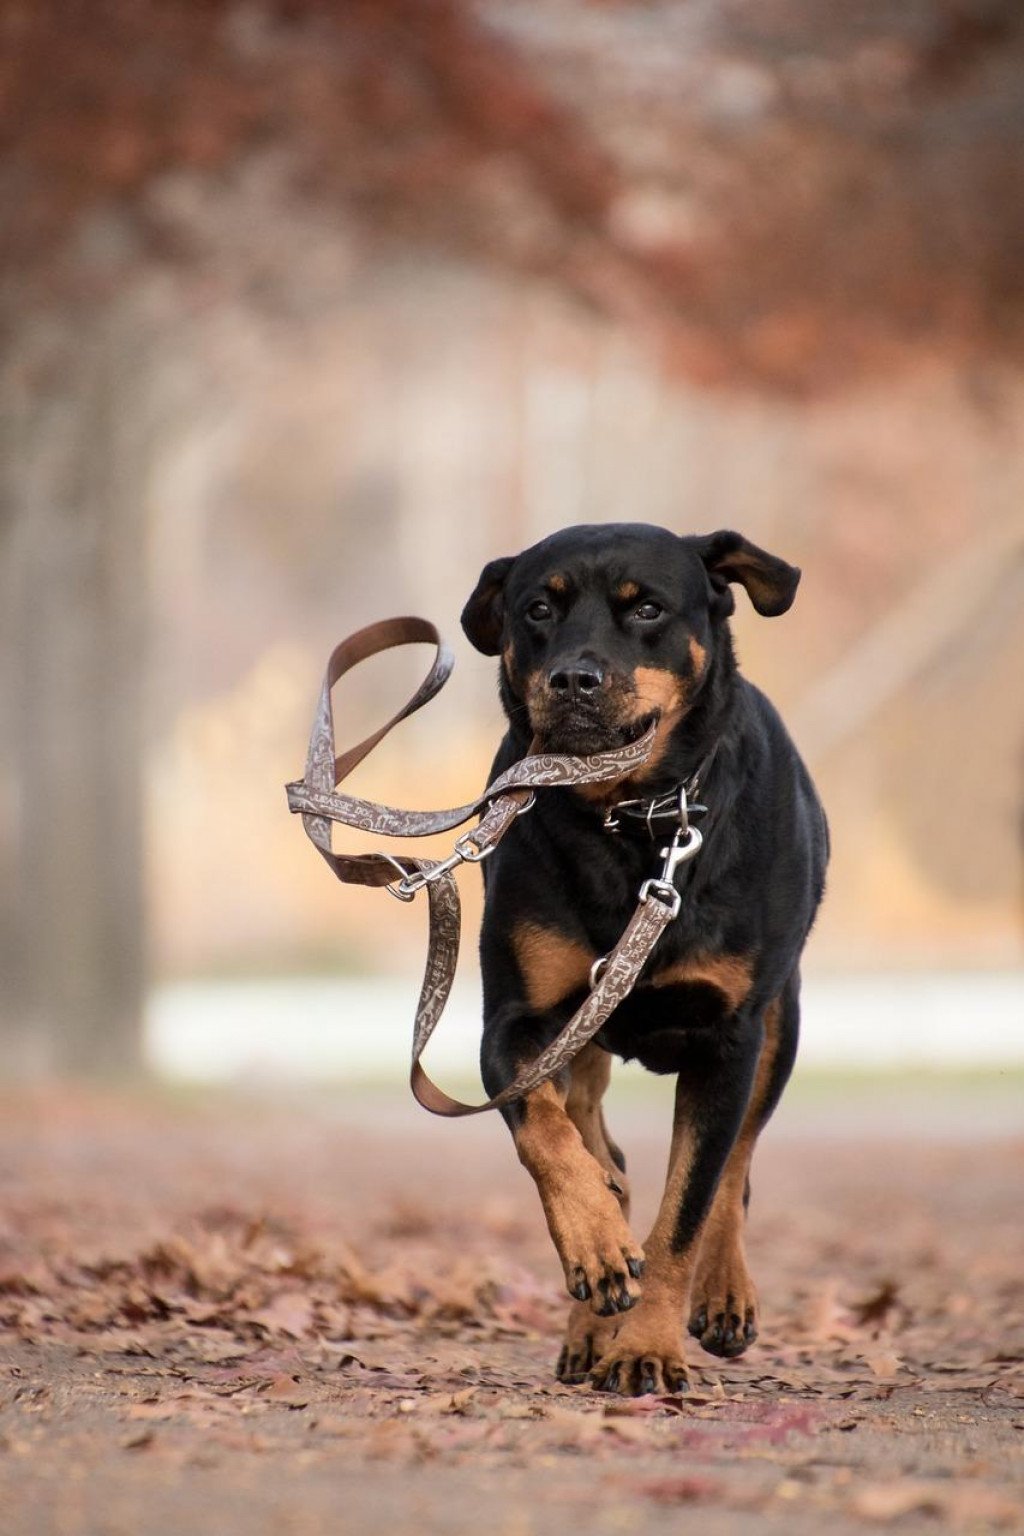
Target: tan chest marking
{"x":730,"y":974}
{"x":551,"y":964}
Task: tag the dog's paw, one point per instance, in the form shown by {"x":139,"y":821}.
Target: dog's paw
{"x":723,"y":1305}
{"x":633,"y":1370}
{"x":603,"y":1264}
{"x":645,"y":1355}
{"x":586,"y":1338}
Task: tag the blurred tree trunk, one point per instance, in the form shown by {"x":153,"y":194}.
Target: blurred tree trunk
{"x":73,"y":926}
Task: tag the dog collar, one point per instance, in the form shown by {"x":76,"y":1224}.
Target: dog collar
{"x":674,"y":807}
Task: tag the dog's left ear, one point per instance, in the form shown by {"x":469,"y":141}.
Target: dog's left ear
{"x":771,"y":584}
{"x":484,"y":615}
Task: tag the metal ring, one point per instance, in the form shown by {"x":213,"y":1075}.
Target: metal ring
{"x":597,"y":970}
{"x":395,"y":888}
{"x":470,"y":852}
{"x":662,"y":891}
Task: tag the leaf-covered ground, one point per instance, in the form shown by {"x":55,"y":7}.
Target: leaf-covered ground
{"x":304,"y":1316}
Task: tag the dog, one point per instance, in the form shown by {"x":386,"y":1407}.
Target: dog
{"x":605,"y":631}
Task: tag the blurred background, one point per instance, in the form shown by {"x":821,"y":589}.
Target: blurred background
{"x":311,"y":308}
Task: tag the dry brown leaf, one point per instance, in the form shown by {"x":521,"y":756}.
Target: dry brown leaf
{"x":875,"y":1308}
{"x":459,"y":1401}
{"x":883,"y":1362}
{"x":286,"y":1389}
{"x":290,"y":1312}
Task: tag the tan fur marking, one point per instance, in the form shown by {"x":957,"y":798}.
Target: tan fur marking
{"x":698,"y":656}
{"x":657,"y":688}
{"x":558,"y":584}
{"x":661,"y":689}
{"x":731,"y":974}
{"x":627,"y":591}
{"x":552,"y":965}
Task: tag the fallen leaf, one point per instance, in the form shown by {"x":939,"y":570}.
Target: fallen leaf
{"x":290,"y":1312}
{"x":286,"y":1389}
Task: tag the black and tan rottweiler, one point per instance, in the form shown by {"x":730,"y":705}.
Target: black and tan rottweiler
{"x":603,"y":630}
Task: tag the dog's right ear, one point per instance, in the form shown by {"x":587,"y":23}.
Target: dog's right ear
{"x":484,"y":614}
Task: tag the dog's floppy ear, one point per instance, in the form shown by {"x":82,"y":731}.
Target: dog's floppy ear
{"x":771,"y":584}
{"x":484,"y":614}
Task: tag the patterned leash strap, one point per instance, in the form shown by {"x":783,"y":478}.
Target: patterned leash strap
{"x":316,"y":798}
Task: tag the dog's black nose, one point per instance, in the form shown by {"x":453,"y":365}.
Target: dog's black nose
{"x":577,"y":678}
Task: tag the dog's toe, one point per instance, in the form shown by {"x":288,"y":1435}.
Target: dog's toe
{"x":585,"y":1337}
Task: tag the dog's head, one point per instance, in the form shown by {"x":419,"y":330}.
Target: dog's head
{"x":604,"y":629}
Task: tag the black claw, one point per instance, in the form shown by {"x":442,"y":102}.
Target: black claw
{"x":679,"y":1382}
{"x":626,"y":1300}
{"x":581,"y":1291}
{"x":648,"y":1379}
{"x":562,"y":1363}
{"x":635,"y":1267}
{"x":611,"y":1381}
{"x":699,"y":1322}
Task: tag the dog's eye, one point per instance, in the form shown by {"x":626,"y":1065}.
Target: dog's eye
{"x":649,"y":611}
{"x":539,"y":610}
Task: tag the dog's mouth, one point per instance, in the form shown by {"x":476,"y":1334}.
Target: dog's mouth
{"x":583,"y":733}
{"x":637,"y":728}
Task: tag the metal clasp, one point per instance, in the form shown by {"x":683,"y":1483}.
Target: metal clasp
{"x":466,"y":851}
{"x":406,"y":888}
{"x":678,"y":852}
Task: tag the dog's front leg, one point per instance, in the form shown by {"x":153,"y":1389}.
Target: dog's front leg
{"x":647,"y":1353}
{"x":600,"y":1257}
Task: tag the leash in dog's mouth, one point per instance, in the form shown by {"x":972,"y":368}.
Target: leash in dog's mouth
{"x":315,"y":797}
{"x":638,"y":728}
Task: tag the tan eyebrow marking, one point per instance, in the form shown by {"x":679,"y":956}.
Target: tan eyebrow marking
{"x":558,"y":584}
{"x":627,"y":591}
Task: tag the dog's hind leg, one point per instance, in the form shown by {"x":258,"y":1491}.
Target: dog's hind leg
{"x":723,"y":1303}
{"x":590,"y":1075}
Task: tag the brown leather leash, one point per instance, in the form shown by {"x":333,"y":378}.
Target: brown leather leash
{"x":509,"y":796}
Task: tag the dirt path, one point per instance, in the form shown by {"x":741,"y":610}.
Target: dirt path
{"x":242,"y":1317}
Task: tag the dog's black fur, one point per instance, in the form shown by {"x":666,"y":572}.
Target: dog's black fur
{"x":602,"y":630}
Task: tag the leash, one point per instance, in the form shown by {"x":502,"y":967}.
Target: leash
{"x":510,"y":795}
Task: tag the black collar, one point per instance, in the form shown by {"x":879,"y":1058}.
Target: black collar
{"x":657,"y":813}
